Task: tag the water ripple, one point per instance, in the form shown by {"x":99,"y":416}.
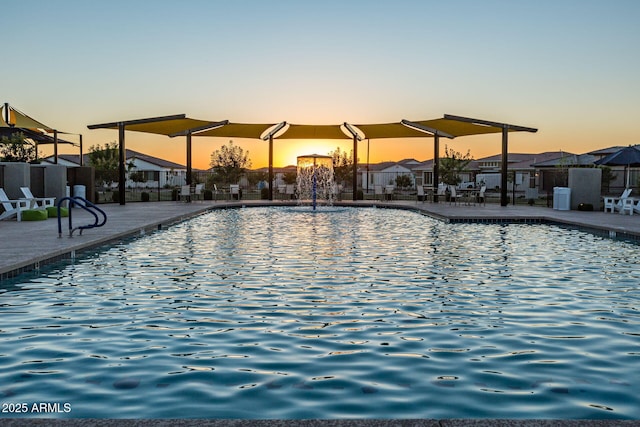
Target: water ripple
{"x":284,"y":313}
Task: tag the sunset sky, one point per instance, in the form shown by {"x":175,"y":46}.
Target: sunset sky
{"x":570,"y":68}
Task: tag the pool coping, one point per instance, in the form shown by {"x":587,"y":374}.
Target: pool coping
{"x":150,"y":217}
{"x":95,"y":422}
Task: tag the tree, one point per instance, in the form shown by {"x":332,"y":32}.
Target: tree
{"x":106,"y":162}
{"x":229,"y":163}
{"x":16,"y":149}
{"x":256,"y":177}
{"x":607,"y":177}
{"x":290,"y":177}
{"x":342,"y":165}
{"x":403,"y":181}
{"x":137,"y":177}
{"x":453,"y":163}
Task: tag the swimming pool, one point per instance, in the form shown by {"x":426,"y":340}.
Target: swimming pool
{"x":339,"y":313}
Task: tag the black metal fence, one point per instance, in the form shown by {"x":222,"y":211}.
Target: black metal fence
{"x":253,"y":186}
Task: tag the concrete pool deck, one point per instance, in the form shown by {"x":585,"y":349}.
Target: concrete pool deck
{"x":27,"y":245}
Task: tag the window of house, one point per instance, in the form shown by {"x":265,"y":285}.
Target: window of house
{"x":428,"y":178}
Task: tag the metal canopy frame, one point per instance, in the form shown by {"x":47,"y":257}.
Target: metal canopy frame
{"x":121,"y":151}
{"x":188,"y":133}
{"x":26,"y":122}
{"x":505,"y":147}
{"x":389,"y":130}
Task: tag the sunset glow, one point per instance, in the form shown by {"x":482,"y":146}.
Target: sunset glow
{"x":565,"y":68}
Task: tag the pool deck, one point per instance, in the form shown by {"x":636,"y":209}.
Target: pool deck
{"x":27,"y":245}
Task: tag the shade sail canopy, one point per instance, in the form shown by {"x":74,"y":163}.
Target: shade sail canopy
{"x":390,"y":130}
{"x":161,"y":126}
{"x":35,"y":136}
{"x":181,"y":125}
{"x":458,"y":128}
{"x":21,"y":120}
{"x":314,"y":132}
{"x":418,"y":129}
{"x":238,"y":130}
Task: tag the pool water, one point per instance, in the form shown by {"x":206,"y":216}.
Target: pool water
{"x":338,"y":313}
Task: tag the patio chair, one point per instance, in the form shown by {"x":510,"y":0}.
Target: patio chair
{"x":290,"y":191}
{"x":34,"y":201}
{"x":197,"y":192}
{"x":282,"y":191}
{"x":420,"y":194}
{"x":378,"y":192}
{"x":12,"y":207}
{"x":453,"y":196}
{"x":234,"y":191}
{"x":389,"y":190}
{"x":612,"y":204}
{"x":336,"y":191}
{"x":185,"y":193}
{"x":481,"y":197}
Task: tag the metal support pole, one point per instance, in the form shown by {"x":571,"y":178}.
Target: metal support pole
{"x":436,"y":166}
{"x":55,"y":147}
{"x":81,"y":155}
{"x":367,"y":165}
{"x":121,"y":161}
{"x":6,"y":113}
{"x":503,"y":172}
{"x":355,"y":167}
{"x":271,"y":167}
{"x":189,"y":165}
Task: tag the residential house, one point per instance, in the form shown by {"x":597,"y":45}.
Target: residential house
{"x":520,"y":167}
{"x":157,"y":173}
{"x":387,"y":173}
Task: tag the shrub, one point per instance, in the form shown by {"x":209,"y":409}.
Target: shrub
{"x":264,"y":193}
{"x":207,"y":195}
{"x":145,"y":196}
{"x":115,"y":196}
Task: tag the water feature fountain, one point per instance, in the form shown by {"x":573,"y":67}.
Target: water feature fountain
{"x":315,"y":179}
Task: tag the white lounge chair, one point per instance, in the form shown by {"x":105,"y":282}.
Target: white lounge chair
{"x":34,"y":202}
{"x":215,"y":192}
{"x":612,"y":204}
{"x":12,"y":207}
{"x":627,"y":206}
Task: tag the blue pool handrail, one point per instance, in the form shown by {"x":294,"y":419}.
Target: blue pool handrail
{"x":87,"y":206}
